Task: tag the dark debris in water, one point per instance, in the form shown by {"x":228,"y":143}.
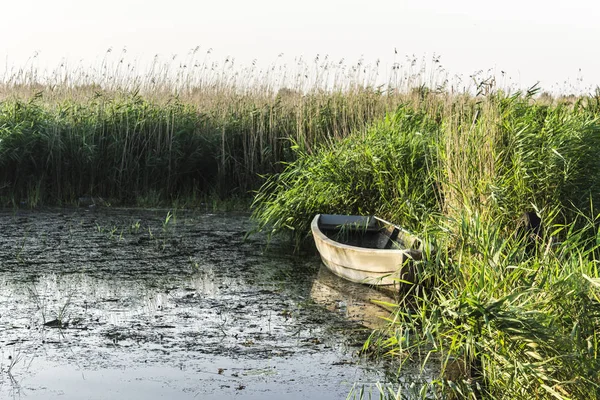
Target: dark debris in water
{"x":117,"y":289}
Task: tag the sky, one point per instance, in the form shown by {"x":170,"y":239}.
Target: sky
{"x":523,"y":42}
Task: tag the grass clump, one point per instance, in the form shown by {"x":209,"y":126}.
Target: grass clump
{"x":124,"y":146}
{"x":184,"y":130}
{"x":498,"y":324}
{"x":501,"y":310}
{"x":384,"y":170}
{"x":114,"y":148}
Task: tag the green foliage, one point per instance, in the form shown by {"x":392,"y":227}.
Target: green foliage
{"x":115,"y":149}
{"x":501,"y":325}
{"x":385,"y":170}
{"x":125,"y":146}
{"x":548,"y":156}
{"x":503,"y":312}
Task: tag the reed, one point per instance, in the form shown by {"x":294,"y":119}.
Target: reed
{"x":384,"y":169}
{"x":501,"y":310}
{"x":188,"y":129}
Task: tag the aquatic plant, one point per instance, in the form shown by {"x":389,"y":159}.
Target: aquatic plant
{"x":385,"y":170}
{"x":501,"y":325}
{"x":191,"y":132}
{"x":501,"y":314}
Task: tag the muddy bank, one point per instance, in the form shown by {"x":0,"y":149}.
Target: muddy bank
{"x":149,"y":304}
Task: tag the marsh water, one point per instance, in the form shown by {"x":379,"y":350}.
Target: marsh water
{"x":147,"y":304}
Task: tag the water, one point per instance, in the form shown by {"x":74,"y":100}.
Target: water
{"x":116,"y":303}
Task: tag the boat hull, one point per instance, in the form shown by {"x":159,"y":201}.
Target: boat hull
{"x":373,"y":266}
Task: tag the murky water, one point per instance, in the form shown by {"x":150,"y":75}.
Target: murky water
{"x":142,"y":304}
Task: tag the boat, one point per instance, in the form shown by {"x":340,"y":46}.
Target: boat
{"x":366,"y":249}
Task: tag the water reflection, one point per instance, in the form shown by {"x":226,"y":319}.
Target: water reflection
{"x":90,"y":307}
{"x":356,"y":302}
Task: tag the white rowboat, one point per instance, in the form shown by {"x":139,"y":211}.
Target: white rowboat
{"x":365,"y":249}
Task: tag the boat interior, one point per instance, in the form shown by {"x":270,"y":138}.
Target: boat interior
{"x":366,"y":231}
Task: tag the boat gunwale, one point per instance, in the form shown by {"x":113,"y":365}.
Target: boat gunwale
{"x":324,"y":238}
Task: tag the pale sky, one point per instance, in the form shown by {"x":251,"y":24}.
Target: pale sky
{"x":548,"y":41}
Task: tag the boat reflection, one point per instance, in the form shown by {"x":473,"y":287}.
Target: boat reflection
{"x":356,"y":301}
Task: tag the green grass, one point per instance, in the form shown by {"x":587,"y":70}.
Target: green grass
{"x":186,"y":128}
{"x":500,"y":314}
{"x":125,"y":146}
{"x":384,"y":169}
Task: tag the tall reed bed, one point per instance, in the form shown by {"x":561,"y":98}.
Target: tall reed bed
{"x":186,"y":127}
{"x":125,"y":145}
{"x":503,"y":310}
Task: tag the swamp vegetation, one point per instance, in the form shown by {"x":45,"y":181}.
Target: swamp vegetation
{"x":505,"y":311}
{"x":129,"y":148}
